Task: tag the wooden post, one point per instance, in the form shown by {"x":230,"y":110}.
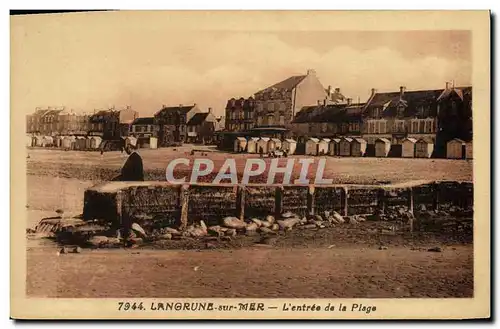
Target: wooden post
{"x":381,"y":200}
{"x":119,"y":213}
{"x":410,"y":207}
{"x":345,"y":201}
{"x":310,"y":200}
{"x":240,"y":202}
{"x":435,"y":196}
{"x":184,"y":203}
{"x":278,"y":200}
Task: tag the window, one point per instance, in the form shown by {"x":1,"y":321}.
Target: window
{"x":270,"y":107}
{"x":421,"y":126}
{"x":282,"y":120}
{"x":270,"y":120}
{"x":259,"y":120}
{"x":323,"y":127}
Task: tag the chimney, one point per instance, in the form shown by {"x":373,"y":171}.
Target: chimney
{"x":447,"y":85}
{"x":349,"y":101}
{"x":329,"y":90}
{"x":311,"y":72}
{"x":337,"y":90}
{"x":402,"y":90}
{"x":374,"y":91}
{"x":209,"y":110}
{"x":319,"y":102}
{"x":324,"y":102}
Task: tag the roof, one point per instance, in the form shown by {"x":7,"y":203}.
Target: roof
{"x":426,"y":140}
{"x":326,"y":140}
{"x":276,"y":140}
{"x":411,"y":100}
{"x":143,"y":121}
{"x":241,"y":139}
{"x":413,"y":140}
{"x":285,"y":85}
{"x":289,"y":140}
{"x":348,"y":139}
{"x":336,"y":140}
{"x":360,"y":140}
{"x":459,"y":91}
{"x":457,"y":140}
{"x":265,"y":139}
{"x":313,"y":139}
{"x":385,"y":140}
{"x":181,"y":109}
{"x":197,"y":119}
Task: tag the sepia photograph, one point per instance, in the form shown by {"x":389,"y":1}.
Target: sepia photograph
{"x":300,"y":164}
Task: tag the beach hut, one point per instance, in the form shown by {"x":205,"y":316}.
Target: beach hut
{"x":358,"y":147}
{"x":274,"y":144}
{"x":240,"y":143}
{"x":80,"y":143}
{"x":382,"y":147}
{"x":153,"y":142}
{"x":455,"y":149}
{"x":252,"y":145}
{"x":262,"y":145}
{"x":29,"y":140}
{"x":345,"y":146}
{"x":68,"y":142}
{"x":289,"y":146}
{"x":468,"y":150}
{"x":47,"y":141}
{"x":423,"y":149}
{"x":312,"y":146}
{"x":58,"y":141}
{"x":408,"y":147}
{"x":95,"y":142}
{"x":333,"y":148}
{"x":323,"y":146}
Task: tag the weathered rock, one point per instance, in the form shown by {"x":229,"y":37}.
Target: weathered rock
{"x":303,"y":221}
{"x":275,"y":227}
{"x":309,"y":226}
{"x":225,"y":238}
{"x":251,"y":233}
{"x":435,"y":249}
{"x":252,"y":227}
{"x":319,"y":223}
{"x":318,"y":218}
{"x":230,"y":232}
{"x":210,"y":245}
{"x":166,"y":236}
{"x":265,"y":223}
{"x":288,"y":223}
{"x":353,"y":220}
{"x":197,"y":232}
{"x":77,"y":250}
{"x":288,"y":214}
{"x":138,"y":230}
{"x":270,"y":219}
{"x":332,"y":220}
{"x":257,"y":221}
{"x":266,"y":230}
{"x":136,"y":241}
{"x":172,"y":231}
{"x":338,"y":218}
{"x":215,"y":230}
{"x":268,"y":240}
{"x":203,"y":225}
{"x":101,"y":241}
{"x":62,"y":251}
{"x":233,"y":222}
{"x":382,"y":248}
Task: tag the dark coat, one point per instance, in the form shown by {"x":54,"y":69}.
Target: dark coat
{"x":132,"y":170}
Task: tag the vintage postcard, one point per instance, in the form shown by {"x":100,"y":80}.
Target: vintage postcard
{"x":250,"y":165}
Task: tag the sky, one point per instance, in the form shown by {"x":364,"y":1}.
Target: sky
{"x":94,"y":63}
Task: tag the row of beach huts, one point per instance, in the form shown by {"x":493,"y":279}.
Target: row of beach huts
{"x":353,"y":147}
{"x":80,"y":143}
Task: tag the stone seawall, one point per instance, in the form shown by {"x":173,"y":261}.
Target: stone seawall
{"x":162,"y":204}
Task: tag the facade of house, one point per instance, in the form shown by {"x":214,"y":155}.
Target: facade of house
{"x":434,"y":115}
{"x":277,"y":105}
{"x":105,"y":124}
{"x":172,"y":123}
{"x":143,"y":129}
{"x":240,"y":114}
{"x":201,"y":128}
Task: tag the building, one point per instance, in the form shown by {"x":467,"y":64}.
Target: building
{"x":240,"y":114}
{"x":423,"y":149}
{"x":382,"y":147}
{"x":437,"y":116}
{"x":277,"y":105}
{"x":143,"y":129}
{"x":312,"y":146}
{"x":105,"y":124}
{"x":201,"y":128}
{"x":127,"y":116}
{"x":240,"y":144}
{"x":468,"y":150}
{"x":172,"y":123}
{"x":289,"y":146}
